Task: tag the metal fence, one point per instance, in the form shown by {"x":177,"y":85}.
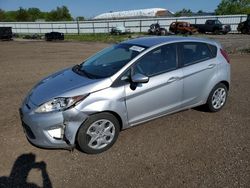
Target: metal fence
{"x":104,"y":26}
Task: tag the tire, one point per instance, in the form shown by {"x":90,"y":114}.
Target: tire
{"x":216,"y":32}
{"x":244,"y":31}
{"x":201,"y":31}
{"x":217,"y":98}
{"x":163,"y":32}
{"x":96,"y":125}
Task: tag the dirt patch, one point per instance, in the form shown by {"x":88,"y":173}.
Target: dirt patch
{"x":186,"y":149}
{"x":233,"y":43}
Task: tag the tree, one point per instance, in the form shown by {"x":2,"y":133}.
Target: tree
{"x":34,"y":14}
{"x":233,"y":7}
{"x":184,"y":12}
{"x":10,"y":16}
{"x":200,"y":12}
{"x":60,"y":14}
{"x":2,"y":15}
{"x":22,"y":15}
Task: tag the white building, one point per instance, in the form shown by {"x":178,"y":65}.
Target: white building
{"x":141,"y":13}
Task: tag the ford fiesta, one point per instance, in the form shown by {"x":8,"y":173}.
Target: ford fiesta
{"x":124,"y":85}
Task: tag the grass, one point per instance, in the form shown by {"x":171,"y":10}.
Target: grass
{"x":245,"y":51}
{"x":108,"y":38}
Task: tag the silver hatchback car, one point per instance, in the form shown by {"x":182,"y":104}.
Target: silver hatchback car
{"x":124,"y":85}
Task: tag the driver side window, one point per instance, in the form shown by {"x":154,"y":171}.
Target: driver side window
{"x":157,"y":61}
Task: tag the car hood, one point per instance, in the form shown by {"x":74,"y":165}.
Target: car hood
{"x":65,"y":83}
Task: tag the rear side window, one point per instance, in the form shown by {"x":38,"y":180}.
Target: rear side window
{"x":193,"y":52}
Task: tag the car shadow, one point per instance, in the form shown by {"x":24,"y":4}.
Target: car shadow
{"x":20,"y":171}
{"x":202,"y":108}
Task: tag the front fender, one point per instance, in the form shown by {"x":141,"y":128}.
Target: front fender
{"x":110,"y":99}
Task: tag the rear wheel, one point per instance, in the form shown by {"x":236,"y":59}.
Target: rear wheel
{"x":98,"y":133}
{"x":244,"y":31}
{"x":217,"y":98}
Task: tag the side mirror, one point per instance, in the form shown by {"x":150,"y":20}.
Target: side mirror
{"x":139,"y":78}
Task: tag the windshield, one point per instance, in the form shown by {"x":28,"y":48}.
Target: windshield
{"x":110,"y":60}
{"x":218,"y":22}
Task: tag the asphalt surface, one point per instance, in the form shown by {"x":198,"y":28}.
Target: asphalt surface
{"x":191,"y":148}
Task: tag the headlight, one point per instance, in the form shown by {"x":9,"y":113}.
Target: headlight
{"x":59,"y":104}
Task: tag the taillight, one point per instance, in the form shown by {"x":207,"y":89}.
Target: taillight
{"x":225,"y":55}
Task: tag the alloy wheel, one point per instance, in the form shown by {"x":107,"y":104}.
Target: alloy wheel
{"x":219,"y":98}
{"x":100,"y":134}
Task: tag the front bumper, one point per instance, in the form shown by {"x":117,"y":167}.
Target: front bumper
{"x":37,"y":126}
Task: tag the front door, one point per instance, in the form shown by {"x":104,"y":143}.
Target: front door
{"x":163,"y":92}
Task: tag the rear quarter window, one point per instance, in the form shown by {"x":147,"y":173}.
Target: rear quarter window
{"x":193,"y":52}
{"x":213,"y":50}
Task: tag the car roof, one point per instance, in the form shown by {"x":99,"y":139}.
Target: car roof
{"x":156,"y":40}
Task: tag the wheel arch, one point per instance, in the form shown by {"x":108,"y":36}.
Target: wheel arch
{"x":226,"y":83}
{"x":76,"y":144}
{"x":216,"y":28}
{"x":117,"y":117}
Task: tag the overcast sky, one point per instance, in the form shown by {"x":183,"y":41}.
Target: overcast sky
{"x":92,"y":8}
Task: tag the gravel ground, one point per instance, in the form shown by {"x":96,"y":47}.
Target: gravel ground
{"x":233,"y":43}
{"x":187,"y":149}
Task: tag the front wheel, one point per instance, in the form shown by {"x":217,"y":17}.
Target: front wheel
{"x":98,"y":133}
{"x":217,"y":98}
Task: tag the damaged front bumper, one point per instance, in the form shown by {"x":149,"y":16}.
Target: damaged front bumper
{"x":53,"y":129}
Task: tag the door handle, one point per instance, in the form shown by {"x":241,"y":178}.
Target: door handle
{"x":211,"y":66}
{"x":172,"y":79}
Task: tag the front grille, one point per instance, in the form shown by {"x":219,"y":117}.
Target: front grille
{"x":28,"y":131}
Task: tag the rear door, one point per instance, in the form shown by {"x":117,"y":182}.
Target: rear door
{"x":199,"y":67}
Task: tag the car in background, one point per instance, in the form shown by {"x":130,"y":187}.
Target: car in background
{"x":156,"y":29}
{"x":244,"y":27}
{"x":212,"y":26}
{"x":52,"y":36}
{"x":119,"y":30}
{"x":182,"y":28}
{"x":6,"y":33}
{"x":124,"y":85}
